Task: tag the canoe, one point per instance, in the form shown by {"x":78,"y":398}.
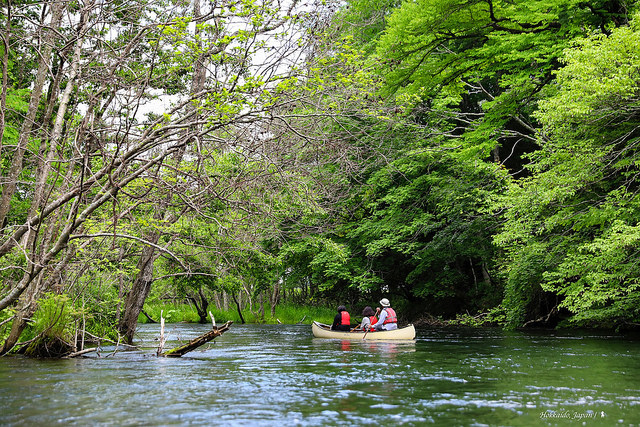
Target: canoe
{"x":320,"y":330}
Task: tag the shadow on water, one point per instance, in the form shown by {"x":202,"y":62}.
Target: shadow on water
{"x":279,"y":374}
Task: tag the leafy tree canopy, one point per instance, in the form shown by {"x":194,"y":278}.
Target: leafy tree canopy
{"x":580,"y":209}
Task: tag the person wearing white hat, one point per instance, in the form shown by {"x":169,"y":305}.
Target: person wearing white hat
{"x":388,"y":320}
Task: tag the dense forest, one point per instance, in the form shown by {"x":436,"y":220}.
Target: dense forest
{"x":475,"y":162}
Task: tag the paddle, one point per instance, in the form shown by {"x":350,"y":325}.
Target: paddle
{"x":365,"y":334}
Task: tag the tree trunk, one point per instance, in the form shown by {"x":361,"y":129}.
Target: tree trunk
{"x":235,"y":299}
{"x":121,"y":292}
{"x":261,"y":307}
{"x":10,"y":182}
{"x":485,"y":273}
{"x":202,"y":304}
{"x":142,"y":285}
{"x":17,"y":327}
{"x":496,"y":154}
{"x":275,"y":296}
{"x":140,"y":289}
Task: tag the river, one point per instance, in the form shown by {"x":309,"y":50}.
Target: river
{"x":267,"y":375}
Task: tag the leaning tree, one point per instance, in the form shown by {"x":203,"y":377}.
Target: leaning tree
{"x":130,"y":104}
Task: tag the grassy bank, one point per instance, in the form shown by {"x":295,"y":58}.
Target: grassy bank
{"x":285,"y":313}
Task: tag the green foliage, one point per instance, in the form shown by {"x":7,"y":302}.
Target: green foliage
{"x":320,"y":259}
{"x":522,"y":273}
{"x":424,"y":226}
{"x":419,"y":96}
{"x":5,"y":315}
{"x":56,"y":317}
{"x":597,"y":274}
{"x":433,"y":45}
{"x":174,"y":312}
{"x":98,"y":304}
{"x":494,"y":317}
{"x":599,"y":76}
{"x":476,"y":72}
{"x":60,"y":316}
{"x":292,"y":314}
{"x":576,"y":219}
{"x":194,"y":282}
{"x":365,"y":20}
{"x":17,"y":104}
{"x":477,"y":69}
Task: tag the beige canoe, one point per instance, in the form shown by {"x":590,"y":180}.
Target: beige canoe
{"x":320,"y":330}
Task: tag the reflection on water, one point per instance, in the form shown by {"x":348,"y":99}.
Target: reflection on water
{"x":382,"y":348}
{"x":279,"y":374}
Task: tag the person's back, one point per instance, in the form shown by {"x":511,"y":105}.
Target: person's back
{"x":368,"y":318}
{"x":388,"y":320}
{"x":342,"y":321}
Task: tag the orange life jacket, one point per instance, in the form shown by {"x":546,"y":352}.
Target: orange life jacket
{"x":391,"y":316}
{"x":345,"y":319}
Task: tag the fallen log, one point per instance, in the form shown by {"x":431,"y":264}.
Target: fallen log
{"x":197,"y":342}
{"x":80,"y":353}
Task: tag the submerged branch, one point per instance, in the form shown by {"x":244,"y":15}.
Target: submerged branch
{"x":197,"y":342}
{"x":80,"y":353}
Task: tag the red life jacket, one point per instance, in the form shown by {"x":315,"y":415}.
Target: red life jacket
{"x":345,"y":319}
{"x":391,"y":316}
{"x":373,"y":320}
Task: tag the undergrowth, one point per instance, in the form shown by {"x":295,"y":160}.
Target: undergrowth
{"x":174,"y":312}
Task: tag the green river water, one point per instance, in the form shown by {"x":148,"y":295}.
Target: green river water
{"x":271,"y":375}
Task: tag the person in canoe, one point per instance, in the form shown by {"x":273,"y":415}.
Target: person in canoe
{"x":342,"y":321}
{"x":368,"y":318}
{"x":388,"y":320}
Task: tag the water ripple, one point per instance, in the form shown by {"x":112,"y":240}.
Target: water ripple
{"x":276,"y":374}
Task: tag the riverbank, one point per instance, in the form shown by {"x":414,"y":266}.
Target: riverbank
{"x":177,"y":312}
